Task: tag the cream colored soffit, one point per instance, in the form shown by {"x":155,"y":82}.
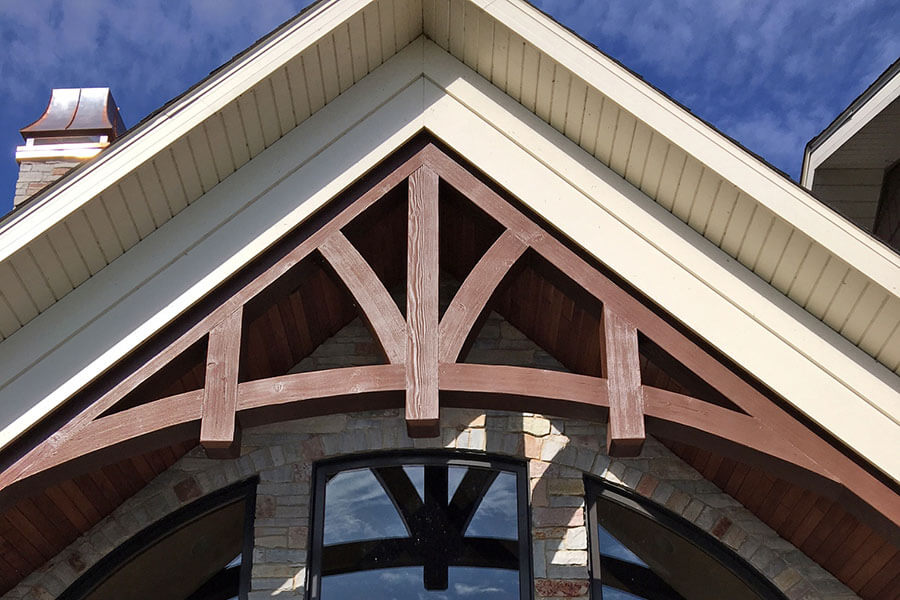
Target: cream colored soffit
{"x":424,"y":87}
{"x":803,"y":249}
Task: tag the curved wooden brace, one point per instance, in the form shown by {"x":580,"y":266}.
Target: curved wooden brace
{"x":378,"y":308}
{"x":473,"y":295}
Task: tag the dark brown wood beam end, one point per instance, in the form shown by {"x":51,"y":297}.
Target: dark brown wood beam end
{"x":221,"y":450}
{"x":624,"y":447}
{"x":423,"y":428}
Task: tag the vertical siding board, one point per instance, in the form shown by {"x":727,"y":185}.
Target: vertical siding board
{"x":737,"y":224}
{"x":826,"y":288}
{"x":344,"y":56}
{"x":544,"y":83}
{"x":428,"y":18}
{"x":120,"y":218}
{"x":133,"y":196}
{"x":500,"y":57}
{"x":653,"y":166}
{"x":530,"y":64}
{"x":20,"y":302}
{"x":707,"y":189}
{"x":593,"y":106}
{"x":268,"y":113}
{"x":486,"y":33}
{"x":890,"y":351}
{"x":575,"y":109}
{"x":84,"y":239}
{"x":402,"y":31}
{"x":312,"y":72}
{"x":861,"y":316}
{"x":50,"y":266}
{"x":237,"y":144}
{"x":516,"y":64}
{"x":797,"y":247}
{"x":9,"y":322}
{"x":33,"y":282}
{"x":881,"y":327}
{"x":170,"y":180}
{"x":808,"y":274}
{"x":456,"y":24}
{"x":559,"y":101}
{"x":328,"y":62}
{"x":671,"y":175}
{"x":154,"y":195}
{"x":686,"y":191}
{"x":606,"y":131}
{"x":440,"y":31}
{"x":296,"y":80}
{"x":252,"y":129}
{"x":389,"y":33}
{"x":470,"y":35}
{"x":773,"y":248}
{"x":637,"y":154}
{"x":219,"y":143}
{"x":187,"y":170}
{"x":359,"y":58}
{"x":98,"y":220}
{"x":372,"y":23}
{"x":203,"y":158}
{"x":64,"y":246}
{"x":284,"y":107}
{"x":755,"y":236}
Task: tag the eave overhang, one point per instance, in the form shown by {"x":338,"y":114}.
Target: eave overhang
{"x":186,"y":199}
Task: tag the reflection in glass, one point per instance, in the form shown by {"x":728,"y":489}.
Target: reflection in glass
{"x":646,"y":553}
{"x":419,"y":531}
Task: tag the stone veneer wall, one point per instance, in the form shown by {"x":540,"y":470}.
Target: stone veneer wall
{"x":35,"y":175}
{"x":559,"y":452}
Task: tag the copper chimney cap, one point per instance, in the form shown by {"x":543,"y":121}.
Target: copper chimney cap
{"x":78,"y":112}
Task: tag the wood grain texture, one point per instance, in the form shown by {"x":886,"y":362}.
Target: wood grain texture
{"x":220,"y":434}
{"x":469,"y":302}
{"x":625,"y":433}
{"x":377,"y":306}
{"x":422,"y":311}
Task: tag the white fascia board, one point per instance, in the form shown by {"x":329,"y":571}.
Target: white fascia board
{"x":90,"y":329}
{"x":699,"y":140}
{"x":160,"y":131}
{"x":854,"y":122}
{"x":793,"y":353}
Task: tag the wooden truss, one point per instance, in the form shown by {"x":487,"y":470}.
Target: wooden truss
{"x":423,"y":351}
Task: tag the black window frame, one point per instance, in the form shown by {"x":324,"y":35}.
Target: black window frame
{"x":321,"y":471}
{"x":155,"y":532}
{"x":665,"y":518}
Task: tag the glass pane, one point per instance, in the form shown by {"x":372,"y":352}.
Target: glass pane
{"x":406,"y":584}
{"x":198,"y":555}
{"x":611,"y":593}
{"x":454,"y":478}
{"x":416,"y":474}
{"x":496,"y":516}
{"x":357,"y":508}
{"x":675,"y":566}
{"x":610,"y":546}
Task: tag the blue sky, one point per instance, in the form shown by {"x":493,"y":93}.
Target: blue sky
{"x":770,"y":74}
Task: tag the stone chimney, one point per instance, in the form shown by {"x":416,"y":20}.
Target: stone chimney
{"x":76,"y":126}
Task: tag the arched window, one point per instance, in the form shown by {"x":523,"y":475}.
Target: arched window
{"x":200,"y":552}
{"x":641,"y":551}
{"x":420,"y":526}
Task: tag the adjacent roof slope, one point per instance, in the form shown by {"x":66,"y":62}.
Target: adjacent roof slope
{"x":96,"y":231}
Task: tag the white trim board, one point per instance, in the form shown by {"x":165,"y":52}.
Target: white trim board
{"x":797,"y":356}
